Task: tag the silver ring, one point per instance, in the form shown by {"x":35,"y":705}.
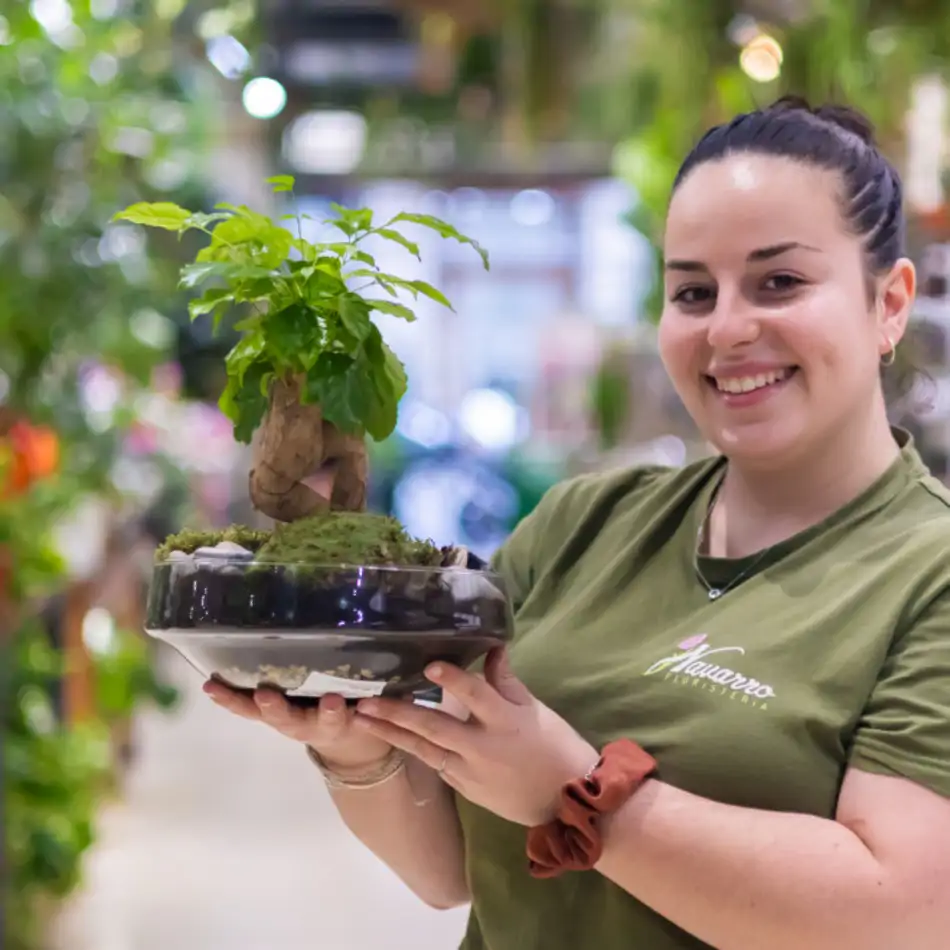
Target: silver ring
{"x":445,"y":761}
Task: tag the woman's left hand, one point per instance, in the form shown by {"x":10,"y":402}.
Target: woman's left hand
{"x":512,"y":756}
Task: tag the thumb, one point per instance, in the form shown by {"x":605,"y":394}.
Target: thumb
{"x":499,"y":675}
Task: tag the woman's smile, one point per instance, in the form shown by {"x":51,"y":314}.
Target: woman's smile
{"x":741,"y":387}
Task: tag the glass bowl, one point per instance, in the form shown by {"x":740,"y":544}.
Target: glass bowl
{"x":309,"y":630}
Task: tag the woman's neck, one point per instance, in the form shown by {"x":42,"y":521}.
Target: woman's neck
{"x":756,"y":509}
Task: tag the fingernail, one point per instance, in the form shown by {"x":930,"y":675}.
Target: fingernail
{"x":368,"y":707}
{"x":434,"y":672}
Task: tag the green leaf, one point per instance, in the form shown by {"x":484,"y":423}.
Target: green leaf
{"x":334,"y":382}
{"x":161,"y":214}
{"x":248,"y":324}
{"x":290,"y":333}
{"x":194,"y":274}
{"x":429,"y":291}
{"x":360,"y":393}
{"x":281,"y":183}
{"x":201,"y":220}
{"x":275,"y":245}
{"x":388,"y":376}
{"x":354,"y":316}
{"x":359,"y":218}
{"x":364,"y":258}
{"x":415,"y":287}
{"x":309,"y":252}
{"x":211,"y":300}
{"x":244,"y":400}
{"x":384,"y":280}
{"x":444,"y":230}
{"x":244,"y":211}
{"x":244,"y":354}
{"x":390,"y":235}
{"x":323,"y":287}
{"x":392,"y":308}
{"x":270,"y":287}
{"x":348,"y":229}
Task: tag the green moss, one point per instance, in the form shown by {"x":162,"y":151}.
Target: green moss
{"x":337,"y":537}
{"x":191,"y":539}
{"x":343,"y":537}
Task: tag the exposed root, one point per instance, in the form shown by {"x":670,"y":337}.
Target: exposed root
{"x":294,"y":445}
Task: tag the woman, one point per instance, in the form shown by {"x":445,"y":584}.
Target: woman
{"x":772,"y":625}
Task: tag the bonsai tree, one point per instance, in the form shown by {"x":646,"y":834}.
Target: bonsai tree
{"x":311,"y":370}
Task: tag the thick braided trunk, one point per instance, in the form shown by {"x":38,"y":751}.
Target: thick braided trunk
{"x":295,"y":449}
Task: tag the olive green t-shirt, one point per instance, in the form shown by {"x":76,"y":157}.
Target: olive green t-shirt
{"x":833,"y":651}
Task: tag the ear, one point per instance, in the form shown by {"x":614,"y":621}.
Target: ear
{"x":895,"y":300}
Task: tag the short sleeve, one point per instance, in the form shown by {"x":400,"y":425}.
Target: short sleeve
{"x":905,"y":728}
{"x":572,"y":510}
{"x":517,"y":559}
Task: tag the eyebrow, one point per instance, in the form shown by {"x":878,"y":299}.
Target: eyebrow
{"x":759,"y":254}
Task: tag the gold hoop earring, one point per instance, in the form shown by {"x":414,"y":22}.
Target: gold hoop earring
{"x":890,"y":356}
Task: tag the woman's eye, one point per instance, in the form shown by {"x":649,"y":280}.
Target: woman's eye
{"x":693,"y":295}
{"x":782,"y":283}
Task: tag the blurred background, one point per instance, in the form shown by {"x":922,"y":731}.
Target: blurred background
{"x":135,"y":816}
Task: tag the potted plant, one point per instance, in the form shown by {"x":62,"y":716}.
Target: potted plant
{"x":334,"y":598}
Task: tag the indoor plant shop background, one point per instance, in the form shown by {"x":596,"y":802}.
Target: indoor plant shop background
{"x":548,"y":131}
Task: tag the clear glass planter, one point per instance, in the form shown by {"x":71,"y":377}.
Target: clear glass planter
{"x":310,"y":630}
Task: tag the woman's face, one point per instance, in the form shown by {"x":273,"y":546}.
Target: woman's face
{"x":768,"y":332}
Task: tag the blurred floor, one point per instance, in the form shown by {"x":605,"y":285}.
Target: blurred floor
{"x":226,"y":840}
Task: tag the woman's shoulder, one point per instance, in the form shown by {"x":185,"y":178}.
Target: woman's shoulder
{"x":578,"y":512}
{"x":624,"y":490}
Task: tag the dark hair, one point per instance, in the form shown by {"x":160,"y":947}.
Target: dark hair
{"x":834,"y":137}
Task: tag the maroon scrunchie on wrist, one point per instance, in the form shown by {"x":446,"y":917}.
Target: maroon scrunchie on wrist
{"x":572,"y":841}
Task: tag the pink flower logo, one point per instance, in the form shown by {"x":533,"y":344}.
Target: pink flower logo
{"x":692,"y":642}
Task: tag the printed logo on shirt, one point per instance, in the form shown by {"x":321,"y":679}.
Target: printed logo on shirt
{"x":700,"y":665}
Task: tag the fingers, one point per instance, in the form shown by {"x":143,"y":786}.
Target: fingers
{"x":232,"y":701}
{"x":474,"y":692}
{"x":431,"y":725}
{"x":499,"y":674}
{"x":438,"y":758}
{"x":291,"y":721}
{"x":321,"y":725}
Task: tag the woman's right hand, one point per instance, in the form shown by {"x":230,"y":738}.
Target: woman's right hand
{"x":326,"y":728}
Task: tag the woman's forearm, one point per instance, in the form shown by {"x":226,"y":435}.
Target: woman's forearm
{"x":744,"y":879}
{"x":421,"y":843}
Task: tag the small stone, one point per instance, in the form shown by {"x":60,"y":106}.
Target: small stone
{"x":225,"y":549}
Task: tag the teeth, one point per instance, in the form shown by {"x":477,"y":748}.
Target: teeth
{"x":747,"y":384}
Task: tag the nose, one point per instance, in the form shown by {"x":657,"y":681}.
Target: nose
{"x":732,"y":324}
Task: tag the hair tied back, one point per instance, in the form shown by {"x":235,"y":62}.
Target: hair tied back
{"x":842,"y":116}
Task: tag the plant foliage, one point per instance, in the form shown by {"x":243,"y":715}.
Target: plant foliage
{"x":310,"y":306}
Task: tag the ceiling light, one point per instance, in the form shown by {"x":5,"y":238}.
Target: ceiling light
{"x":264,"y":98}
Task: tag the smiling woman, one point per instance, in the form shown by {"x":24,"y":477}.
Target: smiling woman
{"x":727,"y":706}
{"x":786,"y":285}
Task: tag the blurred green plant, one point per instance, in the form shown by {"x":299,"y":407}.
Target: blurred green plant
{"x":686,"y":76}
{"x":98,"y":108}
{"x":610,"y":397}
{"x":125,"y":678}
{"x":52,"y":778}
